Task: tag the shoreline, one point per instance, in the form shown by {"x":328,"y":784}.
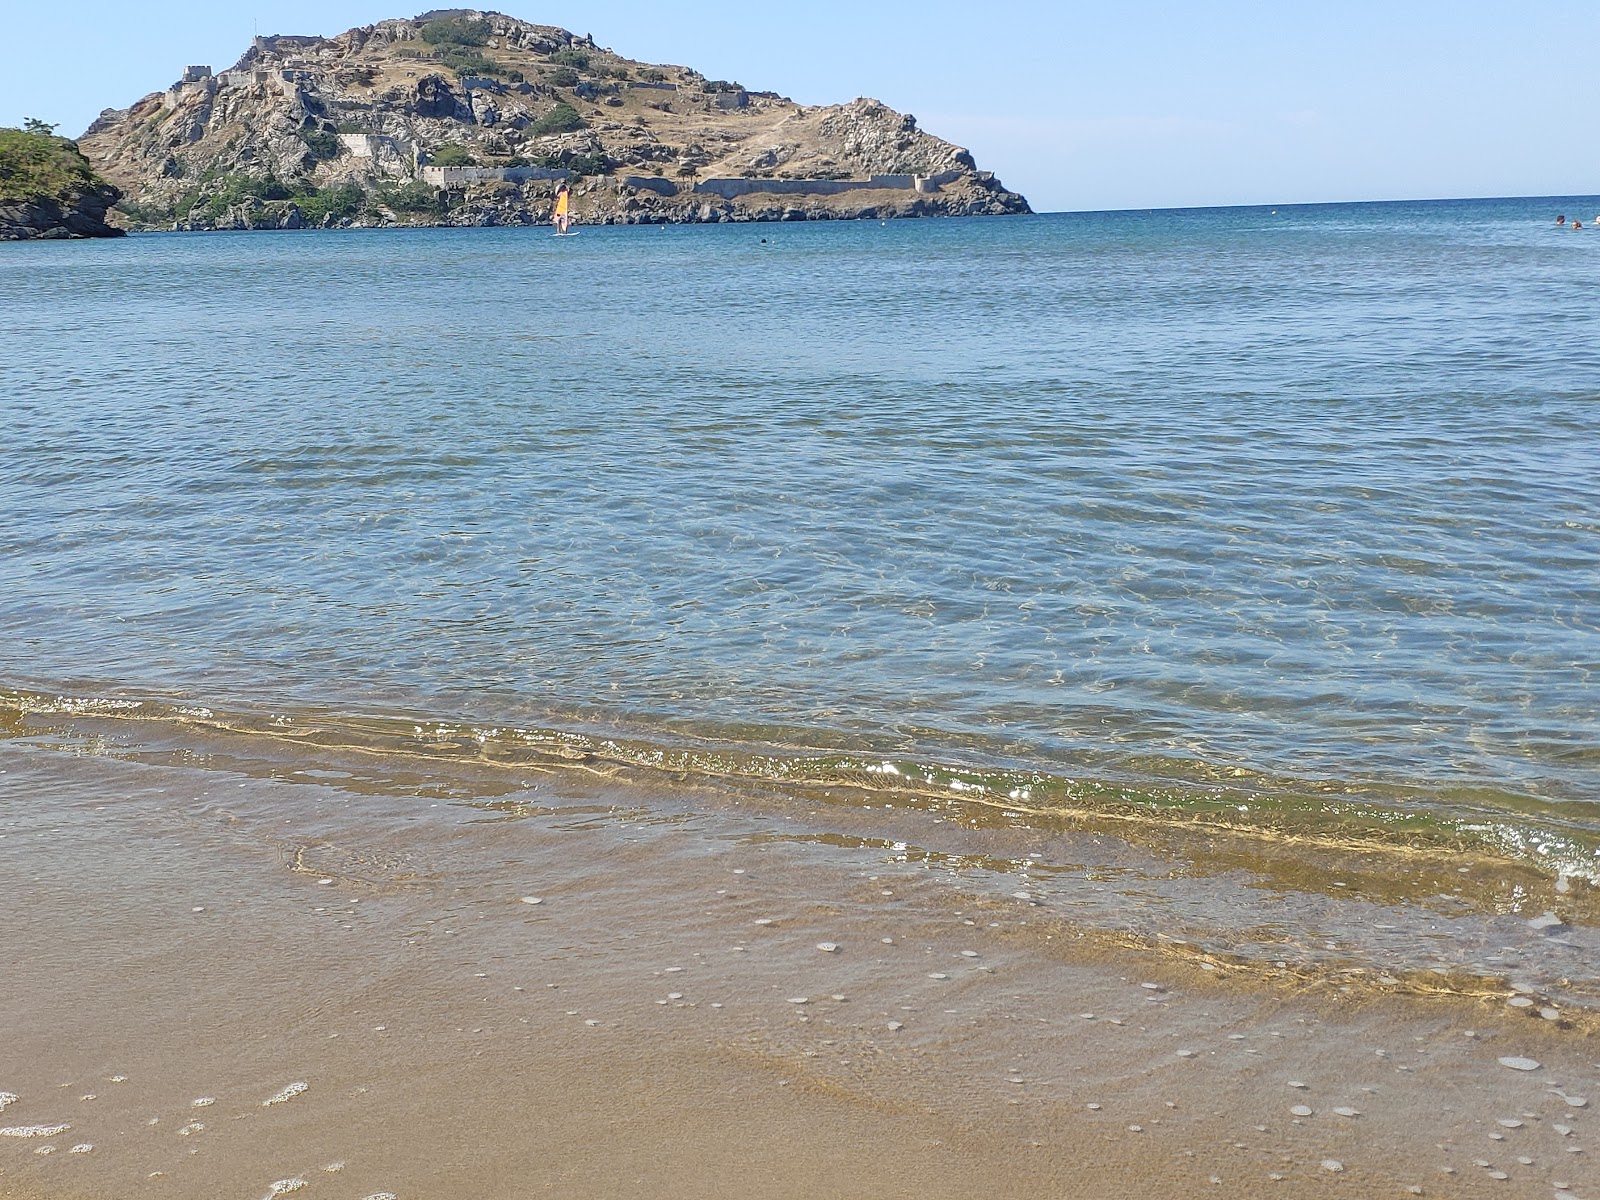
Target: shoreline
{"x":209,"y":926}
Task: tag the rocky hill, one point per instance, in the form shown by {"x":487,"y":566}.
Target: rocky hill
{"x":459,"y":117}
{"x":48,"y":189}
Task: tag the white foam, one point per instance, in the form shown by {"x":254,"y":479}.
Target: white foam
{"x":7,"y":1099}
{"x":283,"y":1187}
{"x":288,"y":1094}
{"x":33,"y":1131}
{"x":82,"y":1148}
{"x":203,"y":1102}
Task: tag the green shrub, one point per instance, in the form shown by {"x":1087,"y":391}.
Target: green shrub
{"x":564,"y":77}
{"x":341,"y":203}
{"x":563,"y":118}
{"x":568,"y":57}
{"x":144,"y":214}
{"x":456,"y":31}
{"x":321,"y":143}
{"x":651,"y":75}
{"x":452,"y":155}
{"x":416,"y":197}
{"x":592,"y":163}
{"x":35,"y":164}
{"x":235,"y":189}
{"x":469,"y":62}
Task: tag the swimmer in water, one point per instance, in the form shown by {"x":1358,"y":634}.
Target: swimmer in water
{"x":1562,"y":219}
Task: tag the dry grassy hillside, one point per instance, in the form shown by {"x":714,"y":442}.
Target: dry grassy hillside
{"x":361,"y":128}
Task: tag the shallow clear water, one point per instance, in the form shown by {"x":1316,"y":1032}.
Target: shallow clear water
{"x":1303,"y":501}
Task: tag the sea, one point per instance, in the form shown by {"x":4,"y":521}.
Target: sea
{"x":1271,"y":529}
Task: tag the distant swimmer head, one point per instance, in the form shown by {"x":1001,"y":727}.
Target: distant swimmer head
{"x":1577,"y":224}
{"x":1562,"y":219}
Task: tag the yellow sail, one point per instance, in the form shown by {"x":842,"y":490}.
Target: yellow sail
{"x":561,"y":205}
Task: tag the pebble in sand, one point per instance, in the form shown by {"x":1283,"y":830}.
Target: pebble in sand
{"x":828,"y":947}
{"x":1519,"y":1064}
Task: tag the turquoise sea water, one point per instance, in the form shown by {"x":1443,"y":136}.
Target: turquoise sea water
{"x":1291,"y":511}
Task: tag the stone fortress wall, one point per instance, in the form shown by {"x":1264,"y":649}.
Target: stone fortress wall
{"x":456,"y":176}
{"x":199,"y":81}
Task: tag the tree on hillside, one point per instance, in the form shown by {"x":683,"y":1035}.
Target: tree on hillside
{"x":34,"y":125}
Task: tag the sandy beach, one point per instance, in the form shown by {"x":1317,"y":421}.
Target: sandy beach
{"x":244,"y":969}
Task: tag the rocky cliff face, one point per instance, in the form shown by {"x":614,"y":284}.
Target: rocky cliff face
{"x":48,"y":190}
{"x":462,"y":117}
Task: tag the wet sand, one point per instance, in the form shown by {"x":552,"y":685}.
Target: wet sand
{"x":572,"y":985}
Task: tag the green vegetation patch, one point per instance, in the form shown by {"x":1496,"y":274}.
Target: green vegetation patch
{"x":38,"y":165}
{"x":568,"y":57}
{"x":452,"y":155}
{"x":563,"y":118}
{"x":593,"y":163}
{"x":417,"y":197}
{"x":456,"y":31}
{"x":215,"y":196}
{"x":342,"y":203}
{"x":211,"y":200}
{"x":321,"y":143}
{"x":144,"y":214}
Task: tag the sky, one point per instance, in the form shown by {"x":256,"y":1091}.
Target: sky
{"x":1079,"y":106}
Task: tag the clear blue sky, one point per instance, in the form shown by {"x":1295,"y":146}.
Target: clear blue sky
{"x":1078,"y":105}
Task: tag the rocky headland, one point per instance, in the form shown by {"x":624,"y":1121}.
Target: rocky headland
{"x":460,"y":117}
{"x":49,"y":190}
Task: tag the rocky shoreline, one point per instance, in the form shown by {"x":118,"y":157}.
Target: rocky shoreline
{"x":514,"y":205}
{"x":50,"y":219}
{"x":48,"y":190}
